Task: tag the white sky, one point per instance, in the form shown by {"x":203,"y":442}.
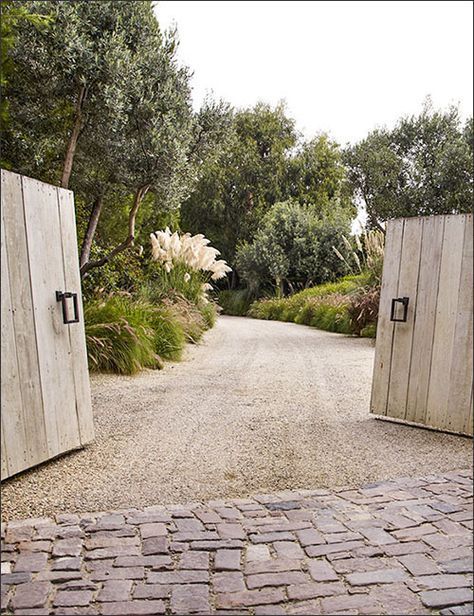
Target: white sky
{"x":342,"y":67}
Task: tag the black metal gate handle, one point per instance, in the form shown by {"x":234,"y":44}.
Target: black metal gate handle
{"x":404,"y":302}
{"x":63,"y":297}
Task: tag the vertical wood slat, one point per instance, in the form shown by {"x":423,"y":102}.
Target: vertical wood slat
{"x":445,"y":324}
{"x":427,"y":296}
{"x":54,"y":351}
{"x":44,"y":361}
{"x":383,"y":348}
{"x":13,"y":428}
{"x":468,"y":426}
{"x":76,"y":330}
{"x":4,"y":463}
{"x":23,"y":322}
{"x":459,"y":397}
{"x":403,"y":332}
{"x":431,"y":356}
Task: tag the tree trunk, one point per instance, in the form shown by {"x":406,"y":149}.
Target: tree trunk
{"x":74,"y":136}
{"x":129,"y":241}
{"x":91,"y":229}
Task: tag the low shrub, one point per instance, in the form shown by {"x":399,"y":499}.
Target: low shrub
{"x":209,"y":314}
{"x":119,"y":336}
{"x":270,"y":309}
{"x":169,"y":338}
{"x":328,"y":313}
{"x":188,"y":316}
{"x":289,"y":308}
{"x":369,"y":332}
{"x":234,"y":302}
{"x":125,"y":335}
{"x":363,"y":308}
{"x":347,"y":306}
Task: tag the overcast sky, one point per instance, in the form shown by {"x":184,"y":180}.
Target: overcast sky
{"x":342,"y":67}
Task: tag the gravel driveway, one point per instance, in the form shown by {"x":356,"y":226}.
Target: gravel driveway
{"x":258,"y":407}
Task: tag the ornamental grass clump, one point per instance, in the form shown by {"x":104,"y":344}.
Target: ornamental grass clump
{"x":188,"y":263}
{"x":328,"y":313}
{"x":125,"y":335}
{"x":119,"y":336}
{"x":367,"y":255}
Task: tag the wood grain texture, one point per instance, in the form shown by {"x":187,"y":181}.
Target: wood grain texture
{"x":13,"y":426}
{"x":46,"y":404}
{"x":427,"y":297}
{"x":23,"y":319}
{"x":3,"y":452}
{"x":403,"y":332}
{"x":385,"y":328}
{"x":76,"y":330}
{"x":445,"y":324}
{"x":430,"y":357}
{"x":54,"y":350}
{"x":460,"y":376}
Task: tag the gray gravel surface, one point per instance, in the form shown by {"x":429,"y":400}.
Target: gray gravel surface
{"x":259,"y":406}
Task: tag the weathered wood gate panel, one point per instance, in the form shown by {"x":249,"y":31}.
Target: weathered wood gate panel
{"x":45,"y":394}
{"x":423,"y":370}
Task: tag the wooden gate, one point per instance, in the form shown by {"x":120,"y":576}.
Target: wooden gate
{"x":423,"y":359}
{"x":45,"y":395}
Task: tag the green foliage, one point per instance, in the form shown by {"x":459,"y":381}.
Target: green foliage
{"x":189,"y":317}
{"x":259,"y":164}
{"x":180,"y":280}
{"x":12,"y":17}
{"x":124,"y":273}
{"x":421,"y":167}
{"x":234,"y":302}
{"x":169,"y":337}
{"x":370,"y":331}
{"x":315,"y":176}
{"x":245,"y":177}
{"x":345,"y":306}
{"x":125,"y":335}
{"x":363,"y":308}
{"x":101,"y":90}
{"x":327,"y":312}
{"x":365,"y":254}
{"x":292,"y":248}
{"x":209,"y":314}
{"x":119,"y":336}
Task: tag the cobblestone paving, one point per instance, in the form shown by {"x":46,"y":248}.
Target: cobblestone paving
{"x":392,"y":547}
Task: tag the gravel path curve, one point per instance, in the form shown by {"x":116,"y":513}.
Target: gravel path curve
{"x":259,"y":406}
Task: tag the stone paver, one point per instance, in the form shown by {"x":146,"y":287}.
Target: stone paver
{"x":401,"y":546}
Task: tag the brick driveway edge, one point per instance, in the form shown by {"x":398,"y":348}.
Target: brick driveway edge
{"x":402,"y":546}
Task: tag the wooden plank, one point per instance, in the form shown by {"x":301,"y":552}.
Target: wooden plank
{"x":4,"y":463}
{"x":403,"y":332}
{"x":427,"y":296}
{"x":383,"y":345}
{"x":13,"y":432}
{"x":54,"y":351}
{"x":468,"y":427}
{"x":460,"y":379}
{"x":76,"y":330}
{"x":445,"y":324}
{"x":23,"y":321}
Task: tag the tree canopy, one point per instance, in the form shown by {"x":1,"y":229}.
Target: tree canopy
{"x":263,"y":160}
{"x":292,"y":248}
{"x":423,"y":166}
{"x":98,"y":103}
{"x":95,"y":100}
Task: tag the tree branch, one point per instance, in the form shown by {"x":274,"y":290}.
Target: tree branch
{"x":74,"y":136}
{"x":90,"y":231}
{"x":129,"y":241}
